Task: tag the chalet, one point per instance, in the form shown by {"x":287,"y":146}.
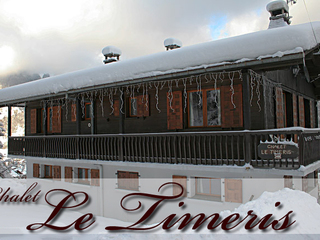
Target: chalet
{"x":210,"y":116}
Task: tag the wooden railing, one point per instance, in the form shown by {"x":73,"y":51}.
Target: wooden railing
{"x":206,"y":148}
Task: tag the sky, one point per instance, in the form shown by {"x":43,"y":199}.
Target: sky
{"x":62,"y":36}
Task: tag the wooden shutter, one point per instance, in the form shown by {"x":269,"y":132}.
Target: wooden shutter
{"x":302,"y":122}
{"x":175,"y":116}
{"x":73,"y":112}
{"x":233,"y":190}
{"x":56,"y":119}
{"x":279,"y":108}
{"x":68,"y":174}
{"x":143,"y":106}
{"x":95,"y":177}
{"x":36,"y":171}
{"x":33,"y":121}
{"x":116,"y":106}
{"x":231,"y":117}
{"x":57,"y":172}
{"x":181,"y":180}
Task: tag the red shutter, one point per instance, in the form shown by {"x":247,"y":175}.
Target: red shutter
{"x":116,"y":106}
{"x":142,"y":106}
{"x":233,"y":190}
{"x":301,"y":112}
{"x":56,"y":119}
{"x":95,"y":177}
{"x":279,"y":108}
{"x":181,"y":180}
{"x":36,"y":170}
{"x":68,"y":174}
{"x":57,"y":172}
{"x":73,"y":112}
{"x":175,"y":117}
{"x":231,"y":117}
{"x":33,"y":121}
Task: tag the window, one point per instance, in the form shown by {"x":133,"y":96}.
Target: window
{"x":139,"y":106}
{"x":128,"y":180}
{"x":54,"y":119}
{"x":204,"y":108}
{"x":47,"y":171}
{"x":208,"y":186}
{"x":83,"y":175}
{"x":87,"y":111}
{"x":133,"y":107}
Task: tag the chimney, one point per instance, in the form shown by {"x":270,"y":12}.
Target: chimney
{"x":111,"y":54}
{"x":279,"y":11}
{"x":172,"y":43}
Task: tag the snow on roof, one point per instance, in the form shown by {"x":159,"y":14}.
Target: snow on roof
{"x":111,"y":50}
{"x":172,"y":41}
{"x":277,"y":5}
{"x":253,"y":46}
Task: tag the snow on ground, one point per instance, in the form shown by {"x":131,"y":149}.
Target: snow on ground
{"x":306,"y":213}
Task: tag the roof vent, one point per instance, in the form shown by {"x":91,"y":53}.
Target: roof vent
{"x":111,"y":53}
{"x":172,"y":43}
{"x":279,"y":11}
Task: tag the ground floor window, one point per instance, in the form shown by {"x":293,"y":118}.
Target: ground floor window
{"x":208,"y":186}
{"x":128,"y":180}
{"x":47,"y":171}
{"x":83,"y":175}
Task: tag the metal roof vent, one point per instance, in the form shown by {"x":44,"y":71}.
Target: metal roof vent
{"x":111,"y":53}
{"x":279,"y":11}
{"x":172,"y":43}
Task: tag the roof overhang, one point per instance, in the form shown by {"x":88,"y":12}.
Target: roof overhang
{"x":270,"y":63}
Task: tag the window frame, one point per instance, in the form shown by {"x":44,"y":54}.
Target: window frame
{"x":85,"y":111}
{"x":86,"y":178}
{"x":205,"y":194}
{"x":124,"y":183}
{"x":205,"y":108}
{"x":50,"y":171}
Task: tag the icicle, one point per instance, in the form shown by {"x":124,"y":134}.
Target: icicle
{"x":199,"y":91}
{"x":66,"y":106}
{"x":252,"y":84}
{"x":162,"y":84}
{"x":170,"y":94}
{"x":132,"y":98}
{"x":111,"y":101}
{"x":121,"y":100}
{"x":240,"y":75}
{"x":221,"y":76}
{"x":156,"y":85}
{"x":177,"y":82}
{"x":147,"y":98}
{"x":138,"y":87}
{"x":101,"y":95}
{"x":91,"y":105}
{"x":128,"y":91}
{"x":191,"y":80}
{"x":185,"y":94}
{"x":258,"y":93}
{"x":231,"y":88}
{"x":215,"y":77}
{"x":83,"y":106}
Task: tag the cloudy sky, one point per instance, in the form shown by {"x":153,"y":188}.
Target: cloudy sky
{"x":45,"y":36}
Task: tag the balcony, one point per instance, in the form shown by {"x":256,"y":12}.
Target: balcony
{"x":197,"y":148}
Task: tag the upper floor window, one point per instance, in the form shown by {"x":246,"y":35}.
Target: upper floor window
{"x":128,"y":180}
{"x":54,"y":119}
{"x":87,"y":111}
{"x":204,"y":108}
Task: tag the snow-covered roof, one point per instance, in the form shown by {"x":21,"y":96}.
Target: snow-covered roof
{"x":275,"y":43}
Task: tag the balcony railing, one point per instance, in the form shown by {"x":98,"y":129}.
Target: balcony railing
{"x":206,"y":148}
